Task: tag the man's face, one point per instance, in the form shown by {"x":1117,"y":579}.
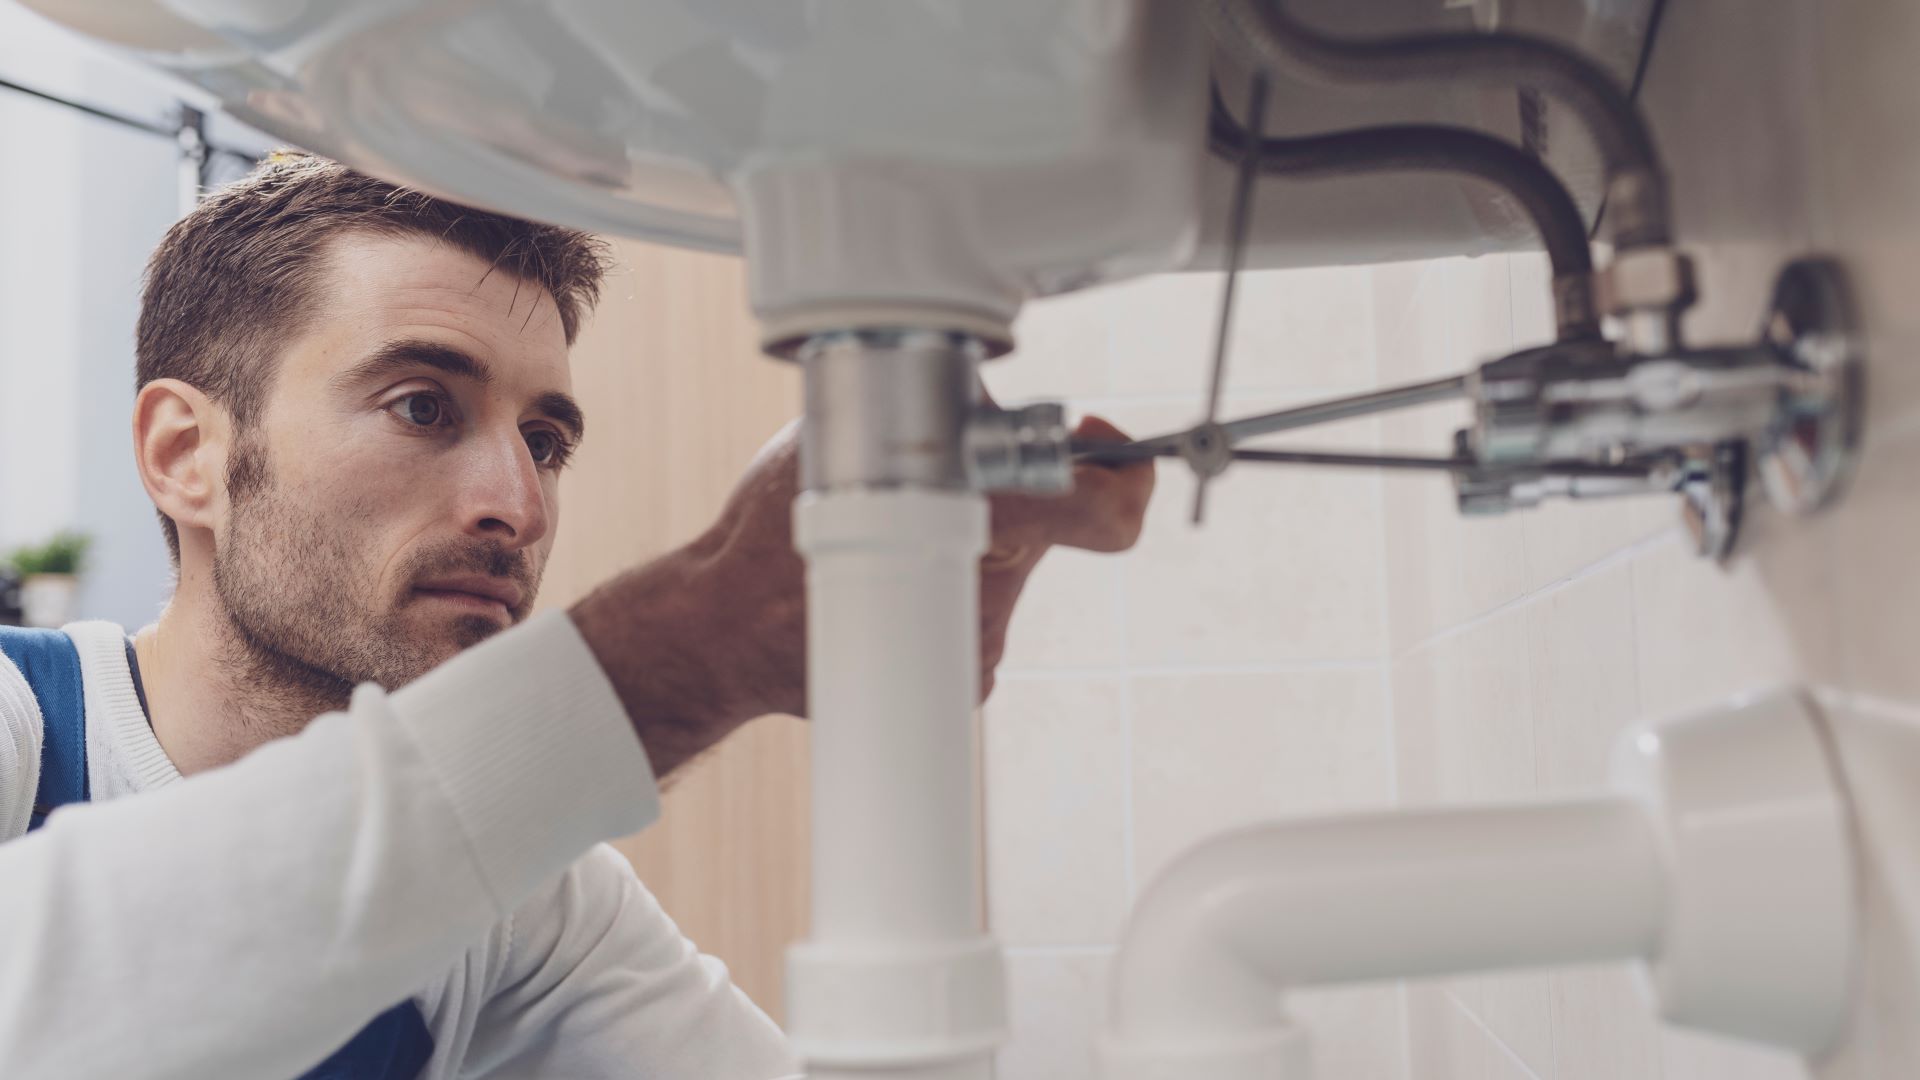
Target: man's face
{"x":395,"y":500}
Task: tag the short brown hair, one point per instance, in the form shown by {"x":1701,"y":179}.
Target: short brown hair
{"x":238,"y":275}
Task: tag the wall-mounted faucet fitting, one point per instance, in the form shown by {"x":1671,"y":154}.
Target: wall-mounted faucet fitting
{"x":1588,"y":418}
{"x":1789,"y":403}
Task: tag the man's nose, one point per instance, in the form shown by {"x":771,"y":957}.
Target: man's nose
{"x":505,"y":498}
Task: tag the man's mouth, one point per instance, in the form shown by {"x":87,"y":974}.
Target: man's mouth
{"x":475,"y":592}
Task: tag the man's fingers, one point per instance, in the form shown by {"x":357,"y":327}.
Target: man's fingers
{"x":1111,"y":505}
{"x":1098,"y":429}
{"x":1109,"y":502}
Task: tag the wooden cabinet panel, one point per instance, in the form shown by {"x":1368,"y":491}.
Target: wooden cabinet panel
{"x":678,"y":399}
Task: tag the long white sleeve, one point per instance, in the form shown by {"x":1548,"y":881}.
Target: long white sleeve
{"x":597,"y":983}
{"x":247,"y":921}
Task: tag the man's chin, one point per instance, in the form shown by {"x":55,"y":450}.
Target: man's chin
{"x":436,"y":637}
{"x":462,"y":632}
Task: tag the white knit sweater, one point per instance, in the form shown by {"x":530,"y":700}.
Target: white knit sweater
{"x":443,"y":842}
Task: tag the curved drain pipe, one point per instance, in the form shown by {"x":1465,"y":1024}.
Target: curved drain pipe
{"x":1725,"y":865}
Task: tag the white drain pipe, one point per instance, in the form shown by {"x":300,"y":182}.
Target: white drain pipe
{"x":1726,"y":866}
{"x":1367,"y":897}
{"x":898,"y":980}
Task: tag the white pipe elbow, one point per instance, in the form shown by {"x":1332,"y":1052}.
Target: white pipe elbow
{"x":1231,"y":924}
{"x":1726,"y":866}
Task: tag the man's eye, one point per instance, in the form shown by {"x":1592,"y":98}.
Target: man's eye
{"x":422,"y":410}
{"x":546,"y":448}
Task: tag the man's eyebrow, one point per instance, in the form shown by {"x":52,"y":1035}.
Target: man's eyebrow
{"x":407,"y":354}
{"x":564,"y":411}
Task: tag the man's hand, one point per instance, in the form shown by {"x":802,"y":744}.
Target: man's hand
{"x":714,"y":634}
{"x":1104,"y":513}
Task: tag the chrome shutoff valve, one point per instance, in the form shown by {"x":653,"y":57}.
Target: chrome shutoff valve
{"x":1560,"y":403}
{"x":1587,"y":418}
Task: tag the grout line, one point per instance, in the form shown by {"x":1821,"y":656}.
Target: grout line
{"x":1042,"y":951}
{"x":1387,"y":663}
{"x":1633,"y":636}
{"x":1518,"y":1061}
{"x":1391,"y":719}
{"x":1608,"y":562}
{"x":1175,"y":671}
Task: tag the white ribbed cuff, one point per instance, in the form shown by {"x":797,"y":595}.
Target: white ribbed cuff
{"x":533,"y":749}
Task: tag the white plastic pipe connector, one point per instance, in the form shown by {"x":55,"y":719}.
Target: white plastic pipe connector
{"x":898,"y":978}
{"x":1365,"y":897}
{"x":1726,"y":865}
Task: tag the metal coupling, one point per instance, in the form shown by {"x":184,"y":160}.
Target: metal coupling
{"x":1648,"y":279}
{"x":1027,"y":449}
{"x":1648,"y":289}
{"x":888,"y":408}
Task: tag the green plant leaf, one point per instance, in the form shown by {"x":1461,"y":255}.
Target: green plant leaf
{"x":64,"y":553}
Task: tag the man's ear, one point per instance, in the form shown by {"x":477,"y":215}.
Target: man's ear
{"x":180,"y":441}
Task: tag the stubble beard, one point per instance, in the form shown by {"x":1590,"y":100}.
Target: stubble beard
{"x":307,"y":616}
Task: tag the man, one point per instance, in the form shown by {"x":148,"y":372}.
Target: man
{"x":354,"y":407}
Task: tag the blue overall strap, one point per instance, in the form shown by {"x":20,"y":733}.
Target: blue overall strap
{"x":51,"y":666}
{"x":395,"y":1046}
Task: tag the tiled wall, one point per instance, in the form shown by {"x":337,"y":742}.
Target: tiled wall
{"x":1334,"y":639}
{"x":1210,"y":678}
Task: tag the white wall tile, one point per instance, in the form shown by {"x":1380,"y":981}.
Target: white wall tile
{"x":1162,"y":333}
{"x":1397,"y":339}
{"x":1069,"y":616}
{"x":1292,"y":329}
{"x":1704,"y":632}
{"x":1604,"y":1028}
{"x":1877,"y":570}
{"x":1564,"y":537}
{"x":1285,"y":569}
{"x":1057,"y":1002}
{"x":1445,"y":1042}
{"x":1356,"y":1032}
{"x":1476,"y":695}
{"x":1060,"y":350}
{"x":1531,"y":291}
{"x":1443,"y":568}
{"x":1585,"y":683}
{"x":1305,"y":328}
{"x":1517,"y":1008}
{"x":1211,"y":752}
{"x":1056,"y":778}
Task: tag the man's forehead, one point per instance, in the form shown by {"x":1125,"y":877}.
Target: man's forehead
{"x":375,"y":288}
